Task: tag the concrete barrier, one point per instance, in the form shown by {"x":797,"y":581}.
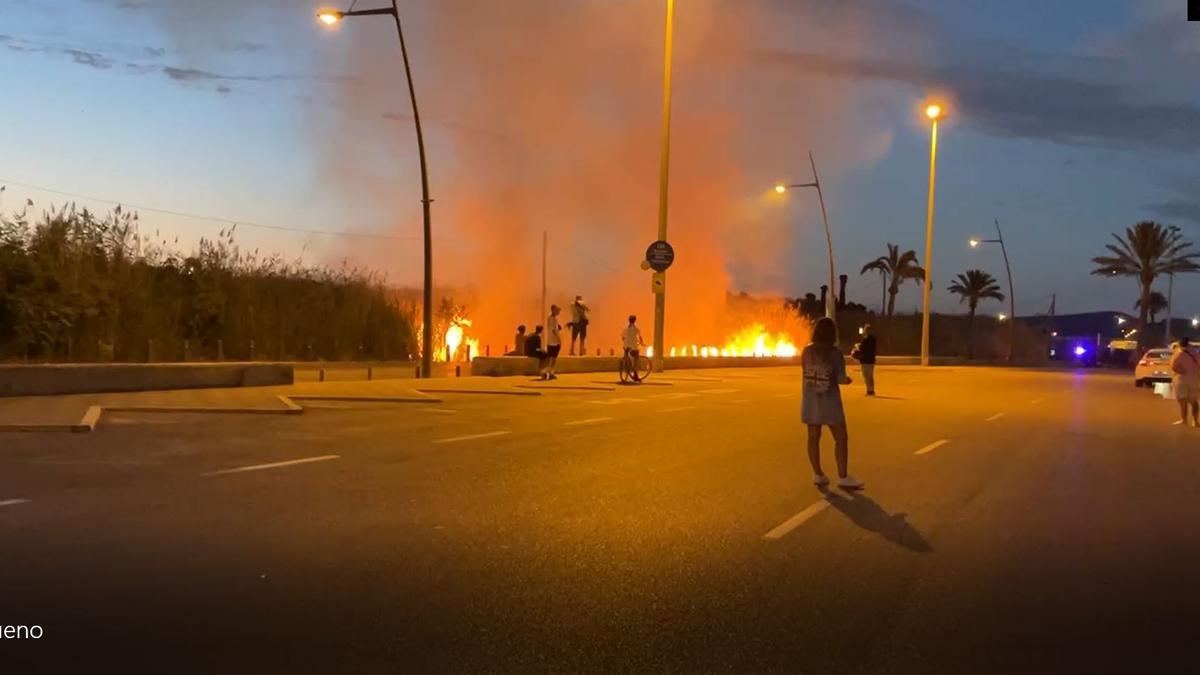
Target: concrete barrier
{"x":53,"y":379}
{"x":504,"y":366}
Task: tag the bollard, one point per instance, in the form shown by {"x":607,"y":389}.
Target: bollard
{"x":458,"y":371}
{"x":185,"y":350}
{"x":612,"y":352}
{"x":418,"y":373}
{"x":149,"y":351}
{"x":447,"y":353}
{"x":220,"y":350}
{"x":468,"y":352}
{"x":370,"y":373}
{"x":597,"y":351}
{"x":321,"y":375}
{"x":252,"y":350}
{"x":488,"y":350}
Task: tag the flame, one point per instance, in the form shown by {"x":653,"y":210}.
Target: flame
{"x":456,"y":337}
{"x":754,"y":340}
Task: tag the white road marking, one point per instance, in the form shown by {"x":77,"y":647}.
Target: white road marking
{"x":787,"y":395}
{"x":1036,"y":401}
{"x":594,"y":420}
{"x":13,"y":502}
{"x":686,"y":407}
{"x":995,"y":417}
{"x":1176,"y":423}
{"x":441,"y":411}
{"x":273,"y":465}
{"x":615,"y":401}
{"x":740,"y":400}
{"x":472,"y":437}
{"x":780,"y":531}
{"x":931,"y":447}
{"x":677,"y":396}
{"x":719,"y":391}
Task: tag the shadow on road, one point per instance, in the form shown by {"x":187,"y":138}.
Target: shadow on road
{"x":867,"y":514}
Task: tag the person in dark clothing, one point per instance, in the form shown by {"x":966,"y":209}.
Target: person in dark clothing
{"x":864,"y":353}
{"x":533,"y":349}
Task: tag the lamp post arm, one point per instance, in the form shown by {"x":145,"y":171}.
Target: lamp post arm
{"x":831,"y":303}
{"x":372,"y":12}
{"x":1012,"y":299}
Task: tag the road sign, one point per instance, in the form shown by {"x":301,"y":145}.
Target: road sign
{"x":658,"y":282}
{"x":660,"y":255}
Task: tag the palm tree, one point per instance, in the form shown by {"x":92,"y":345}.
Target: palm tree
{"x":1147,"y":250}
{"x":973,"y":286}
{"x":897,"y":268}
{"x":1158,"y":303}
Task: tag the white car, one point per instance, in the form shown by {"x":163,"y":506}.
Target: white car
{"x":1154,"y":366}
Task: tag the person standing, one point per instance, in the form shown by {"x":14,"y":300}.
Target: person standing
{"x":864,"y":353}
{"x":821,"y":402}
{"x":579,"y":325}
{"x":1186,"y":381}
{"x":553,"y":342}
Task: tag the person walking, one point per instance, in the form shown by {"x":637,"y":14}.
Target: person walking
{"x":864,"y":353}
{"x":579,"y":325}
{"x":821,"y":402}
{"x":553,"y":342}
{"x":1186,"y":381}
{"x":533,"y":349}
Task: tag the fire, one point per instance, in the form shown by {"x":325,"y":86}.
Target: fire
{"x":753,"y":340}
{"x":456,"y":337}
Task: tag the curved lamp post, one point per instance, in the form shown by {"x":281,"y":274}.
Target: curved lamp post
{"x":331,"y":17}
{"x":830,"y":299}
{"x":1012,"y":301}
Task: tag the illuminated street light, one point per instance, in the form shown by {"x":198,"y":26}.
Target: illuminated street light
{"x":1012,"y":300}
{"x":1120,"y":320}
{"x":1002,"y":317}
{"x":330,"y":17}
{"x":1195,"y":321}
{"x":935,"y":113}
{"x":830,"y":299}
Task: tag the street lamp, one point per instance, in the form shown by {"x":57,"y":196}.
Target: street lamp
{"x":830,"y":299}
{"x":935,"y":114}
{"x":664,"y":176}
{"x":1012,"y":301}
{"x":331,"y":17}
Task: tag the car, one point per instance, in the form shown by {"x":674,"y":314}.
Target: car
{"x":1154,"y":366}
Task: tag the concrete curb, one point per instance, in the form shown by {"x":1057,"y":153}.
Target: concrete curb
{"x":483,"y":392}
{"x":568,"y":387}
{"x":367,"y":399}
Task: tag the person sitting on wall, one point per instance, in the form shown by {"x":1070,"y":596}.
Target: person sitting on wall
{"x":519,"y":342}
{"x":533,"y":349}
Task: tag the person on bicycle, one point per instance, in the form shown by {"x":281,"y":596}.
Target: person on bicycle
{"x":631,"y":340}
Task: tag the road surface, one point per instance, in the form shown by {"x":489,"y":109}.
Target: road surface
{"x":1013,"y":521}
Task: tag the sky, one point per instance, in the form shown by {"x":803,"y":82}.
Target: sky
{"x":1068,"y":121}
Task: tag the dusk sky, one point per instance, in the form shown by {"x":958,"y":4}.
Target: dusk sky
{"x":1069,"y":120}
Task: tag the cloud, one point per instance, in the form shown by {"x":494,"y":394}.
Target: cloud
{"x":1014,"y":100}
{"x":1180,"y":208}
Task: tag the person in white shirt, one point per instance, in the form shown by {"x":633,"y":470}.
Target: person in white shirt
{"x":579,"y":324}
{"x":631,"y":341}
{"x":553,"y":342}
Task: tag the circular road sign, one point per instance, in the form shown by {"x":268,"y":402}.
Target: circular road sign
{"x":660,"y":255}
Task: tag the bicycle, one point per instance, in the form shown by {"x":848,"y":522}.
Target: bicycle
{"x":629,"y":367}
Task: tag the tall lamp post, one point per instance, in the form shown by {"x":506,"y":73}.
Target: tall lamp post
{"x":935,"y":113}
{"x":1012,"y":301}
{"x":331,"y":17}
{"x":664,"y":175}
{"x":830,"y":298}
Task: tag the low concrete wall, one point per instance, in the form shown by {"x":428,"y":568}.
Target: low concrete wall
{"x":43,"y":380}
{"x":502,"y":366}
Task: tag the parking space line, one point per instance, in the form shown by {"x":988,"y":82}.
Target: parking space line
{"x":273,"y":465}
{"x":13,"y":502}
{"x":594,"y":420}
{"x":781,"y":530}
{"x":472,"y":437}
{"x":995,"y":417}
{"x":931,"y":447}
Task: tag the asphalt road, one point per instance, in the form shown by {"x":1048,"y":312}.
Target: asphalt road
{"x":646,"y":529}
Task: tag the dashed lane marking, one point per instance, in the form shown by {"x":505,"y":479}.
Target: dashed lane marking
{"x":783,"y":529}
{"x":789,"y":394}
{"x":995,"y":417}
{"x":686,"y":407}
{"x":1036,"y":401}
{"x":740,"y":401}
{"x":472,"y":437}
{"x":931,"y":447}
{"x":594,"y":420}
{"x":13,"y":502}
{"x":719,"y":391}
{"x":273,"y":465}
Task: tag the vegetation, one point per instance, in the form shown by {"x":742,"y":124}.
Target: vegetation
{"x":971,"y":287}
{"x":1158,"y":303}
{"x":896,"y":268}
{"x":1147,"y":250}
{"x":74,"y":286}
